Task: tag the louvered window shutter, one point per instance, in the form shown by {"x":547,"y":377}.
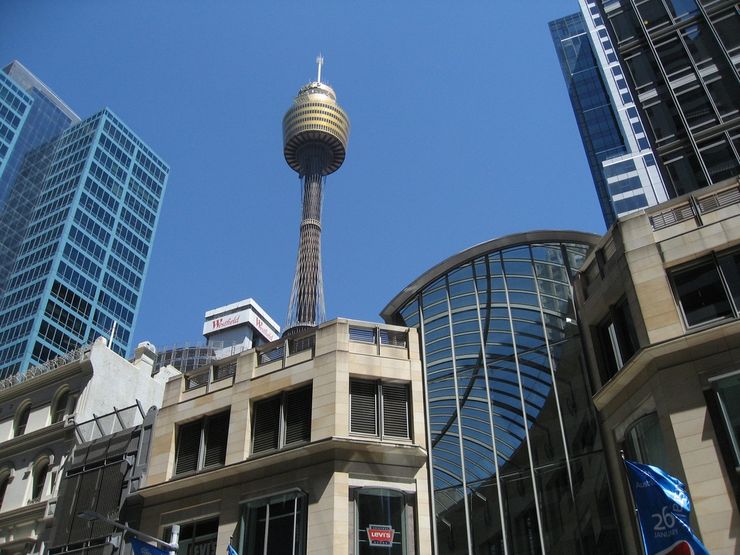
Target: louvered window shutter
{"x":363,"y":407}
{"x":266,"y":431}
{"x":188,"y":446}
{"x":217,"y":432}
{"x":395,"y":400}
{"x":298,"y":416}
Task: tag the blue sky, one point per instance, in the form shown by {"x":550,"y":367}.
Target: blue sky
{"x":462,"y":131}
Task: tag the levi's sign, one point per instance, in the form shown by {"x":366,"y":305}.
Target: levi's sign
{"x":379,"y":535}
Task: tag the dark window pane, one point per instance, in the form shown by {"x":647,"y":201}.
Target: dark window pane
{"x":22,"y":422}
{"x":682,"y":8}
{"x":730,"y":264}
{"x":39,"y":479}
{"x":60,"y":408}
{"x":685,"y":173}
{"x":696,"y":108}
{"x":380,"y":521}
{"x":720,"y":161}
{"x":728,"y":29}
{"x":701,"y":294}
{"x":624,"y":25}
{"x":728,"y":391}
{"x":673,"y":56}
{"x":719,"y":89}
{"x":274,"y":525}
{"x":644,"y":442}
{"x":664,"y":120}
{"x":653,"y":13}
{"x":642,"y":69}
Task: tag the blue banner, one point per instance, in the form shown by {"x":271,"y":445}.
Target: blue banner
{"x":141,"y":548}
{"x":231,"y":551}
{"x":663,"y":509}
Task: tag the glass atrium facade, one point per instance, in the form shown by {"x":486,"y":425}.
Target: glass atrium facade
{"x":86,"y":227}
{"x":516,"y":456}
{"x":622,"y":163}
{"x":682,"y":61}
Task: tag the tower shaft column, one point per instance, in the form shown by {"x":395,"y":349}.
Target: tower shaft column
{"x":308,"y":284}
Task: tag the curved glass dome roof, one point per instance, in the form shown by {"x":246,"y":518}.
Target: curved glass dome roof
{"x":509,"y":411}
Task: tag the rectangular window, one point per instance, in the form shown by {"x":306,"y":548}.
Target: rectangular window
{"x":703,"y":291}
{"x":379,"y":409}
{"x":202,"y":444}
{"x":380,"y":515}
{"x":282,"y":420}
{"x":196,"y":537}
{"x":275,"y":524}
{"x":727,"y":391}
{"x":617,"y":339}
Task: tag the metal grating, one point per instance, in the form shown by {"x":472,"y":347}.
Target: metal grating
{"x":298,"y":416}
{"x":718,"y":200}
{"x":301,"y":344}
{"x":394,"y":338}
{"x":223,"y":371}
{"x":194,"y":381}
{"x":266,"y":430}
{"x":217,"y":432}
{"x":362,"y":335}
{"x":363,"y":404}
{"x":671,"y":217}
{"x":395,"y":399}
{"x":272,"y":354}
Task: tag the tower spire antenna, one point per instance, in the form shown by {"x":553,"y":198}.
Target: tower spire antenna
{"x":319,"y":62}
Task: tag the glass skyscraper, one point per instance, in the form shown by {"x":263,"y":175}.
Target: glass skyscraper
{"x":80,"y":201}
{"x":621,"y":160}
{"x":515,"y":450}
{"x":682,"y":60}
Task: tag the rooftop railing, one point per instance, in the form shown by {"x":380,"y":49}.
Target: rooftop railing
{"x":71,"y":356}
{"x":210,"y":374}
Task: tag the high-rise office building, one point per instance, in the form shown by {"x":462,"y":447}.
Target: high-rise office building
{"x":30,"y":115}
{"x":515,"y":452}
{"x":620,"y":158}
{"x":681,"y":60}
{"x":82,"y":199}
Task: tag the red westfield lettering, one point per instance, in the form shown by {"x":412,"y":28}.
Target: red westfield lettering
{"x":225,"y":322}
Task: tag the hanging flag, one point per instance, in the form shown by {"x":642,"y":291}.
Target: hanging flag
{"x":140,"y":548}
{"x":231,"y":551}
{"x":663,"y":509}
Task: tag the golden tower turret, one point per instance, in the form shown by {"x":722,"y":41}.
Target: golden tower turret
{"x":315,"y":135}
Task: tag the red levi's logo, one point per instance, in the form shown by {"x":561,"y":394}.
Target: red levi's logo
{"x":678,"y":548}
{"x":380,"y":535}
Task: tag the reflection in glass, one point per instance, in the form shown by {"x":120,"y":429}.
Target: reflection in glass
{"x":275,"y":525}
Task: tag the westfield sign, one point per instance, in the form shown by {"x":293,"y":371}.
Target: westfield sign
{"x":225,"y":322}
